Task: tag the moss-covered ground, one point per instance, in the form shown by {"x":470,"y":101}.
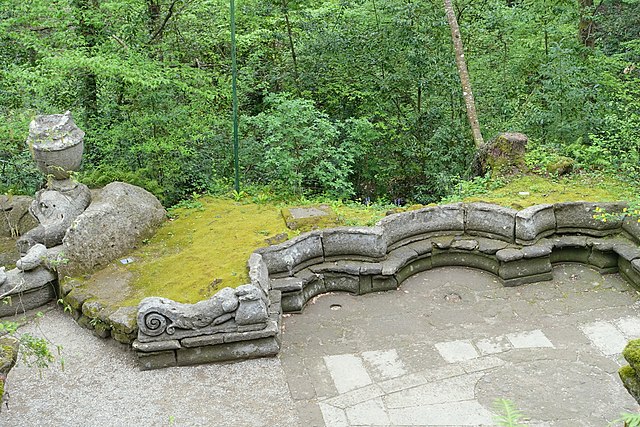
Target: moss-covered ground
{"x":205,"y":247}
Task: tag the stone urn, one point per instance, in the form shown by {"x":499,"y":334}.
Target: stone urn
{"x":56,"y":144}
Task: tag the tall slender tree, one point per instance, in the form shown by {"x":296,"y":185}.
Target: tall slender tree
{"x":465,"y":80}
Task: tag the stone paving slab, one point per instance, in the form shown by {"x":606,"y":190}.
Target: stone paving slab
{"x":555,"y":354}
{"x":101,"y":386}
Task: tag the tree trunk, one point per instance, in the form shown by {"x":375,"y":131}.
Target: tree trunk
{"x":586,"y":27}
{"x":472,"y":116}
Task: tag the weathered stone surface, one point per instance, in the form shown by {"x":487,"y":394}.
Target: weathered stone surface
{"x":358,"y":241}
{"x":490,"y":246}
{"x":404,"y":227}
{"x":157,"y":360}
{"x":293,"y":255}
{"x":33,"y":258}
{"x":28,"y":290}
{"x":228,"y":310}
{"x":632,"y":227}
{"x":3,"y":276}
{"x":149,"y":347}
{"x":55,"y":211}
{"x":252,"y":307}
{"x":570,"y":254}
{"x":414,"y":267}
{"x":524,"y":268}
{"x":465,"y":259}
{"x":536,"y":251}
{"x":627,"y":251}
{"x":15,"y":218}
{"x":202,"y":340}
{"x":287,"y":284}
{"x":270,"y":331}
{"x":229,"y":351}
{"x":534,"y":223}
{"x":509,"y":255}
{"x":77,"y":297}
{"x":502,"y":155}
{"x":489,"y":220}
{"x":465,"y":244}
{"x":336,"y":282}
{"x":123,"y":320}
{"x":57,"y":144}
{"x":397,"y":259}
{"x":119,"y":218}
{"x":306,"y":218}
{"x":567,"y":242}
{"x":258,"y":272}
{"x":578,"y":217}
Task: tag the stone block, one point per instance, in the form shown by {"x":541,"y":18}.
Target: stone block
{"x":202,"y":340}
{"x":410,"y":226}
{"x":258,"y":272}
{"x":151,"y":347}
{"x":527,"y":279}
{"x":396,"y":259}
{"x":362,"y":242}
{"x":270,"y":331}
{"x":607,"y":260}
{"x":570,"y":254}
{"x":28,"y":300}
{"x":578,"y":217}
{"x":628,"y":252}
{"x":340,"y":282}
{"x":465,"y":259}
{"x":365,"y":284}
{"x":509,"y":254}
{"x":537,"y":251}
{"x":123,"y":338}
{"x":76,"y":298}
{"x":490,"y":246}
{"x":229,"y":351}
{"x":383,"y":283}
{"x":369,"y":268}
{"x":344,"y":267}
{"x":485,"y":219}
{"x":15,"y":219}
{"x":421,"y":247}
{"x":465,"y":244}
{"x":157,"y":360}
{"x":415,"y":266}
{"x":293,"y":255}
{"x":293,"y":302}
{"x":287,"y":284}
{"x":123,"y":320}
{"x":631,"y":227}
{"x":534,"y":223}
{"x":524,"y":268}
{"x":102,"y":330}
{"x":628,"y":273}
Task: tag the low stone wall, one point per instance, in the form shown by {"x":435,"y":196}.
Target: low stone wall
{"x":517,"y":246}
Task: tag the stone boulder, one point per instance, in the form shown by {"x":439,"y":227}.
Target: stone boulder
{"x":502,"y":155}
{"x":118,"y":219}
{"x":15,"y":218}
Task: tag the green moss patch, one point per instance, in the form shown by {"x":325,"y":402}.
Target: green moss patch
{"x":529,"y":190}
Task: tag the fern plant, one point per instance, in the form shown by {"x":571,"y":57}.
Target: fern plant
{"x":508,"y":414}
{"x":629,"y":419}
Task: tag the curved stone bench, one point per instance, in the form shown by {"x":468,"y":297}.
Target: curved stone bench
{"x":517,"y":246}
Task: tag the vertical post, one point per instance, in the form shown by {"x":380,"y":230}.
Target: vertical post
{"x":234,"y":96}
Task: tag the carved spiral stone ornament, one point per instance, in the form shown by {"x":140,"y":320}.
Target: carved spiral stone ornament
{"x":155,"y":324}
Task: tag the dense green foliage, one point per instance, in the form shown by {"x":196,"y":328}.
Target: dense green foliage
{"x":347,"y":98}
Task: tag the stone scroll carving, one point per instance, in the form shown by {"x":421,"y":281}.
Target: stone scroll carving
{"x":230,"y":310}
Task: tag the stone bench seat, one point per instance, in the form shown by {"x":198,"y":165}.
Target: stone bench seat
{"x":518,"y":247}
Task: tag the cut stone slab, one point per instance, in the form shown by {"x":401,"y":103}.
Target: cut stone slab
{"x":456,"y":351}
{"x":630,"y":327}
{"x":333,"y":416}
{"x":307,"y":218}
{"x":466,"y":413}
{"x":493,"y":345}
{"x":606,"y":337}
{"x":369,"y":413}
{"x":347,"y":371}
{"x":530,"y":339}
{"x":385,"y":364}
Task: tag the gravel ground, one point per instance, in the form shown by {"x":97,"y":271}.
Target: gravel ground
{"x":101,"y":385}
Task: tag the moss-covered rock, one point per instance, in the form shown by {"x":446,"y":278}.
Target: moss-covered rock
{"x":503,"y":155}
{"x":562,"y":166}
{"x":631,"y":354}
{"x":307,"y":218}
{"x":8,"y":357}
{"x":630,"y":381}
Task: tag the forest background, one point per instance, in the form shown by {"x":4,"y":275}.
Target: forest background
{"x":352,"y":99}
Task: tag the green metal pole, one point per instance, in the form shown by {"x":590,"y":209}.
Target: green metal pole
{"x":234,"y":95}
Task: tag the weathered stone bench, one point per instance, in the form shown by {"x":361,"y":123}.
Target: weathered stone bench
{"x":517,"y":246}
